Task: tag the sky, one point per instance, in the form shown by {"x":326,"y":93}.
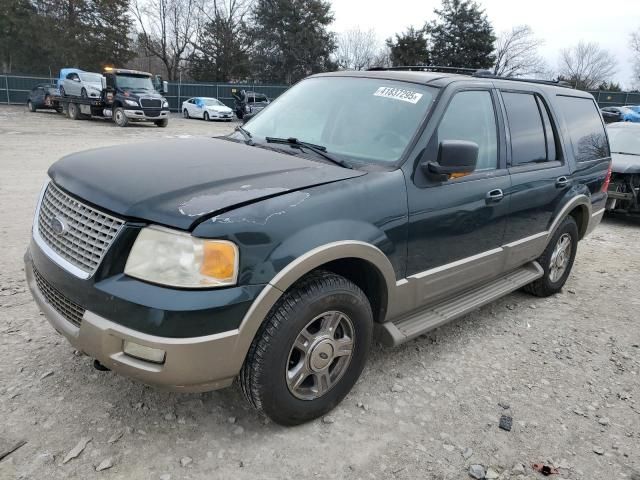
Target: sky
{"x":560,"y":23}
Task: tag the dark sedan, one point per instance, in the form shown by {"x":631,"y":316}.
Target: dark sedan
{"x":42,"y":97}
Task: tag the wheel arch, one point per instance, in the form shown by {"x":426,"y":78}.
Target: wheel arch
{"x":579,"y":207}
{"x":339,"y":257}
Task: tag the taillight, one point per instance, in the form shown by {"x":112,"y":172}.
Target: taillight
{"x":605,"y":185}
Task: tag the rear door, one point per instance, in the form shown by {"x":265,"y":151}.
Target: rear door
{"x":540,"y":174}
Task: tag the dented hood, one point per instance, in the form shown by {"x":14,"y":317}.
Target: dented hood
{"x":177,"y":182}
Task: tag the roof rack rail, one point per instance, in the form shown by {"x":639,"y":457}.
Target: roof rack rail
{"x":428,"y":68}
{"x":474,"y":72}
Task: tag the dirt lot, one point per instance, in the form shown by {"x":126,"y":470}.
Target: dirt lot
{"x":565,"y":368}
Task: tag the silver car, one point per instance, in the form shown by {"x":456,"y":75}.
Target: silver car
{"x":82,"y":84}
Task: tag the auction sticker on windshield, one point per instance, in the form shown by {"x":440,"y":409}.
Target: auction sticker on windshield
{"x":398,"y":94}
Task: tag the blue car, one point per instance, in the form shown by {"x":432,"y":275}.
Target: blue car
{"x":626,"y":113}
{"x":635,"y":108}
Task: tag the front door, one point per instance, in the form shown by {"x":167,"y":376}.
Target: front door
{"x":456,"y":226}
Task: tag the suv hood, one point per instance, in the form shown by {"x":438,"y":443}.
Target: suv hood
{"x":621,"y":163}
{"x":178,"y":182}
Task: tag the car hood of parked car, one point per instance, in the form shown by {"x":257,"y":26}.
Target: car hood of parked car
{"x":178,"y":182}
{"x":625,"y":163}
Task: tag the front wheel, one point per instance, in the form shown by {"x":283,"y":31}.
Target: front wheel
{"x":162,"y":123}
{"x":206,"y":116}
{"x":120,"y":118}
{"x":31,"y":106}
{"x":83,"y":93}
{"x":310,"y":350}
{"x":557,"y":260}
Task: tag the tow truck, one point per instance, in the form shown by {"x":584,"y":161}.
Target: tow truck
{"x":127,"y":96}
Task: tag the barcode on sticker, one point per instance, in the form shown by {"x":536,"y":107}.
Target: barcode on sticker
{"x":398,"y":94}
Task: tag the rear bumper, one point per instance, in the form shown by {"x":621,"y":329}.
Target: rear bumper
{"x":141,"y":115}
{"x":192,"y":364}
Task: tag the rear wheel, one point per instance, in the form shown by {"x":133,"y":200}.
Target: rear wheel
{"x":185,"y":113}
{"x":31,"y":106}
{"x":74,"y":111}
{"x":557,"y":260}
{"x":162,"y":123}
{"x":120,"y":118}
{"x":206,"y":116}
{"x":310,"y":350}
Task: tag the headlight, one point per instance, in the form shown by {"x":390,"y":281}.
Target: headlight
{"x":168,"y":257}
{"x":165,"y":104}
{"x":132,"y":103}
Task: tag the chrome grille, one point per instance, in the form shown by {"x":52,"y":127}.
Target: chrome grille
{"x":150,"y":103}
{"x":89,"y":232}
{"x":65,"y":307}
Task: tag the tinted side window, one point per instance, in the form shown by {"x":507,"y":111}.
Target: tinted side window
{"x":470,"y":116}
{"x":586,"y":131}
{"x":526,"y":128}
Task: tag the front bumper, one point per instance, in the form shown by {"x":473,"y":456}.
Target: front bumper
{"x":148,"y":115}
{"x":192,"y":364}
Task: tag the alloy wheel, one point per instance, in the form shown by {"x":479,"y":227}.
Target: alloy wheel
{"x":320,"y":355}
{"x":560,"y":257}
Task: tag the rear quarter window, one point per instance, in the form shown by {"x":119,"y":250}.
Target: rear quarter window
{"x":586,"y":131}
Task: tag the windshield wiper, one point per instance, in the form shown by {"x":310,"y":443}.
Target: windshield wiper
{"x":627,"y":153}
{"x":246,"y":134}
{"x":318,"y":149}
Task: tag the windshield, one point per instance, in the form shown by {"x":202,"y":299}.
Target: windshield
{"x":91,"y":77}
{"x":212,"y":102}
{"x":624,"y":140}
{"x":135,"y":82}
{"x":369,"y":120}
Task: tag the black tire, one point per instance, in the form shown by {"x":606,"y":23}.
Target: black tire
{"x":205,"y":116}
{"x":263,"y":375}
{"x":31,"y":106}
{"x":74,"y":111}
{"x":546,"y":285}
{"x":162,"y":123}
{"x":119,"y":117}
{"x":83,"y":93}
{"x":185,"y":113}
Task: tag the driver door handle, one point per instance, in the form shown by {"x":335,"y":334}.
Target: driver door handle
{"x":562,"y":182}
{"x":494,"y":196}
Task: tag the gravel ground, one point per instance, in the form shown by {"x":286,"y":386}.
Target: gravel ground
{"x":566,"y":369}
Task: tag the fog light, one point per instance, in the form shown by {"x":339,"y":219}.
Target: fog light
{"x":143,"y":352}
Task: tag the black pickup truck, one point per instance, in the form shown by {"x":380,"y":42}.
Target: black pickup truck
{"x":126,"y":96}
{"x":382,"y":202}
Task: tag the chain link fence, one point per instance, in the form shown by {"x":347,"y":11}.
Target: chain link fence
{"x":14,"y":90}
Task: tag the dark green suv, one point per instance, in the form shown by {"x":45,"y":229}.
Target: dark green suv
{"x":385,"y":202}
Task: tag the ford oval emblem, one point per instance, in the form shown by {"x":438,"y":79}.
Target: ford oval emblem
{"x":58,"y":225}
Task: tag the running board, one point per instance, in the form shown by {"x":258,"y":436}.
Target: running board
{"x":418,"y":323}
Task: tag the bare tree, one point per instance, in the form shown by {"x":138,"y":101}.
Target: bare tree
{"x":168,"y":29}
{"x":357,"y":49}
{"x":635,"y":48}
{"x":586,"y":65}
{"x":516,"y":53}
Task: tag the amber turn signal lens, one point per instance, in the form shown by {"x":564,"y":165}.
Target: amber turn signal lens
{"x":219,"y":260}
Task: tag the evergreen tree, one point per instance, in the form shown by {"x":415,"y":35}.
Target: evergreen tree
{"x":461,"y":36}
{"x":409,"y":48}
{"x":291,"y":39}
{"x":222,"y":47}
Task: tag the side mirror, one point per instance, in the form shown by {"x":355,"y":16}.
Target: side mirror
{"x":247,"y":116}
{"x":454,"y":156}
